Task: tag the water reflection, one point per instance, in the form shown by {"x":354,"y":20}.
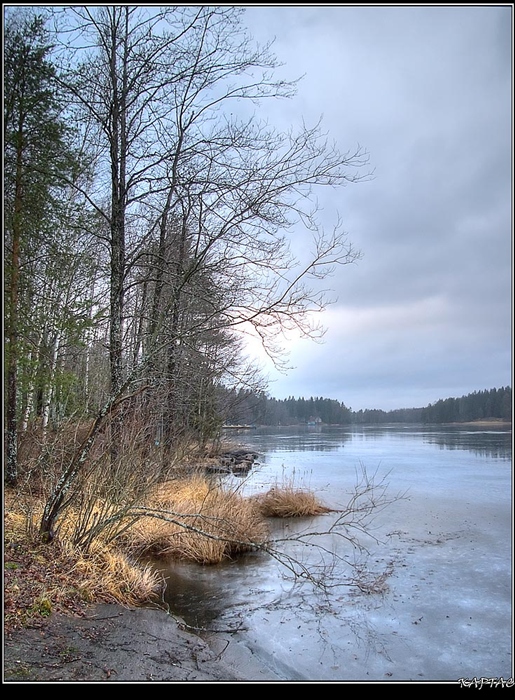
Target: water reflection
{"x":495,"y":443}
{"x":190,"y":596}
{"x":305,"y":439}
{"x":200,"y":594}
{"x":485,"y":443}
{"x":428,"y":549}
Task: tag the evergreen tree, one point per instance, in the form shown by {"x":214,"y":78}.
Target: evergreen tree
{"x":37,"y":157}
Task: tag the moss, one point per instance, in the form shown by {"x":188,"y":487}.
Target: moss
{"x":43,"y":607}
{"x":20,"y":672}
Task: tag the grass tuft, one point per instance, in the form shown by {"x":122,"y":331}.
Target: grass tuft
{"x":109,"y":575}
{"x":289,"y":502}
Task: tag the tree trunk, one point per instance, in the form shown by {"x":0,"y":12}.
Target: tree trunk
{"x":12,"y":367}
{"x":118,"y":206}
{"x":56,"y":502}
{"x":51,"y":384}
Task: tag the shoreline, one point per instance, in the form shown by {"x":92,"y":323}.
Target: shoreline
{"x":482,"y":423}
{"x":115,"y":644}
{"x":487,"y":423}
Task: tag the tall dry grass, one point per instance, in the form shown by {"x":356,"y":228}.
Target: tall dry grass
{"x":116,"y":512}
{"x":105,"y":573}
{"x":198,"y":520}
{"x":58,"y":576}
{"x":289,"y":502}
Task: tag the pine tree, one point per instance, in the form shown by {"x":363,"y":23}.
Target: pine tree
{"x":38,"y":162}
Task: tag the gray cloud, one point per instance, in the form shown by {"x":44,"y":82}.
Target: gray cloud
{"x":426,"y":313}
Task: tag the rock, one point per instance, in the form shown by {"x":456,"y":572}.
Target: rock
{"x":238,"y":461}
{"x":217,"y":469}
{"x":242,"y":467}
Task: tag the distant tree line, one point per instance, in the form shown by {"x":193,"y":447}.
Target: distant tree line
{"x":247,"y":407}
{"x":493,"y":403}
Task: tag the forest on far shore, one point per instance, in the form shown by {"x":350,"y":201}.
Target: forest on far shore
{"x":249,"y":408}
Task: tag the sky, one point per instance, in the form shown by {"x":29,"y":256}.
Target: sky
{"x":426,"y":313}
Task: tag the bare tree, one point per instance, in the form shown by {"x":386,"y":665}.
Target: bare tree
{"x":200,"y":199}
{"x":157,"y":86}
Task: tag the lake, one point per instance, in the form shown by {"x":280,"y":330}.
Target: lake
{"x":423,"y":592}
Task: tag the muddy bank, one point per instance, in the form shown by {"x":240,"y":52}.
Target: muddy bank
{"x":114,"y":644}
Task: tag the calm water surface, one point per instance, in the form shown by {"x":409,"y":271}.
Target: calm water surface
{"x":430,"y":599}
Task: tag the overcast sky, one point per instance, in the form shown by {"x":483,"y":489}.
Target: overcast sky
{"x":426,"y":313}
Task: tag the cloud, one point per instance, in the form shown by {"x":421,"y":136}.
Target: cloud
{"x":427,"y":90}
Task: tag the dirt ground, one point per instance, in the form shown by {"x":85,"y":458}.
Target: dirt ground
{"x":113,"y":644}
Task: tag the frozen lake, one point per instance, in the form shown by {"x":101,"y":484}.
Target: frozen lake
{"x":430,"y":600}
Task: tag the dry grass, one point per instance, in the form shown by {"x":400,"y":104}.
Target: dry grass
{"x":107,"y":574}
{"x":191,"y":518}
{"x":196,"y":519}
{"x":40,"y":579}
{"x":289,"y":502}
